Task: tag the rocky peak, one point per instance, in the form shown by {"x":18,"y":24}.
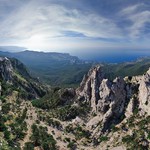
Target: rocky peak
{"x":14,"y":73}
{"x":6,"y":69}
{"x":107,"y":99}
{"x":144,"y":93}
{"x":89,"y":87}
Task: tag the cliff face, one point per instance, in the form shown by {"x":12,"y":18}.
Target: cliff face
{"x":15,"y":75}
{"x":111,"y":100}
{"x":6,"y":69}
{"x":89,"y":87}
{"x":144,"y":93}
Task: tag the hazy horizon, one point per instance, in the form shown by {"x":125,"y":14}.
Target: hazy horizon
{"x":98,"y":55}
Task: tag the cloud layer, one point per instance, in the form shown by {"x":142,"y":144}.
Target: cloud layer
{"x":62,"y":24}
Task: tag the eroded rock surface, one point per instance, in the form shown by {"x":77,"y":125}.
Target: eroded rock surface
{"x":144,"y":93}
{"x":111,"y":100}
{"x":6,"y":69}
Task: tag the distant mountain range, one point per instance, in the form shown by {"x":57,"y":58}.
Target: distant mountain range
{"x":62,"y":69}
{"x":53,"y":68}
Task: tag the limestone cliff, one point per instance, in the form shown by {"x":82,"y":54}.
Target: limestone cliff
{"x":6,"y":69}
{"x":144,"y":93}
{"x":111,"y":100}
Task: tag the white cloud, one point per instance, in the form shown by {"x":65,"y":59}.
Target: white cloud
{"x":131,"y":9}
{"x":139,"y":20}
{"x":50,"y":20}
{"x":43,"y":24}
{"x":138,"y":17}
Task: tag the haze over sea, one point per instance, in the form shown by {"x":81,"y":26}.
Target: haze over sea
{"x":112,"y":56}
{"x":98,"y":55}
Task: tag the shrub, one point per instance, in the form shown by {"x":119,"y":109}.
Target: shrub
{"x":40,"y":137}
{"x":7,"y":134}
{"x":28,"y":146}
{"x":103,"y":138}
{"x":72,"y":145}
{"x":6,"y":108}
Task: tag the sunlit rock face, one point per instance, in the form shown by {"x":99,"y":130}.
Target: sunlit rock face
{"x":110,"y":100}
{"x":0,"y":89}
{"x":106,"y":98}
{"x":144,"y":93}
{"x":6,"y":69}
{"x":89,"y":87}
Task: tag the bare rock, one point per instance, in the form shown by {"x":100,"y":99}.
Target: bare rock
{"x":119,"y":148}
{"x":144,"y":93}
{"x":94,"y":122}
{"x":89,"y":87}
{"x":107,"y":99}
{"x":0,"y":89}
{"x":6,"y":69}
{"x":129,"y":109}
{"x":77,"y":121}
{"x":104,"y":94}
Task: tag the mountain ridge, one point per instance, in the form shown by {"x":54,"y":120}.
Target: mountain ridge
{"x":100,"y":114}
{"x":68,"y":71}
{"x":53,"y":68}
{"x":15,"y":74}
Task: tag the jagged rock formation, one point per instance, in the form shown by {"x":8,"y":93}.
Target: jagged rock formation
{"x":144,"y":93}
{"x":89,"y":87}
{"x":14,"y":73}
{"x":0,"y":88}
{"x":6,"y":69}
{"x":112,"y":99}
{"x":106,"y":98}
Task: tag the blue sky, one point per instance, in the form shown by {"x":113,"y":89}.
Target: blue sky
{"x":76,"y":25}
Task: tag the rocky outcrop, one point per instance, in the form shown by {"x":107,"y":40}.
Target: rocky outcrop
{"x":89,"y":87}
{"x":0,"y":89}
{"x":139,"y":95}
{"x":110,"y":100}
{"x":6,"y":69}
{"x":144,"y":93}
{"x":114,"y":108}
{"x":15,"y":74}
{"x":107,"y":99}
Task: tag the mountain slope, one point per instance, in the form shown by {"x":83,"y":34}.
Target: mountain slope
{"x":60,"y":69}
{"x":100,"y":114}
{"x":57,"y":69}
{"x":134,"y":68}
{"x":14,"y":75}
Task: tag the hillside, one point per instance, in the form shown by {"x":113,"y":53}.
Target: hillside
{"x":64,"y":70}
{"x":14,"y":76}
{"x":56,"y":69}
{"x":133,"y":68}
{"x":99,"y":115}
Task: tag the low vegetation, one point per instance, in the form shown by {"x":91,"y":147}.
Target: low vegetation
{"x":40,"y":138}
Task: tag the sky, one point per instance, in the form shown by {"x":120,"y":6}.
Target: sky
{"x":76,"y":26}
